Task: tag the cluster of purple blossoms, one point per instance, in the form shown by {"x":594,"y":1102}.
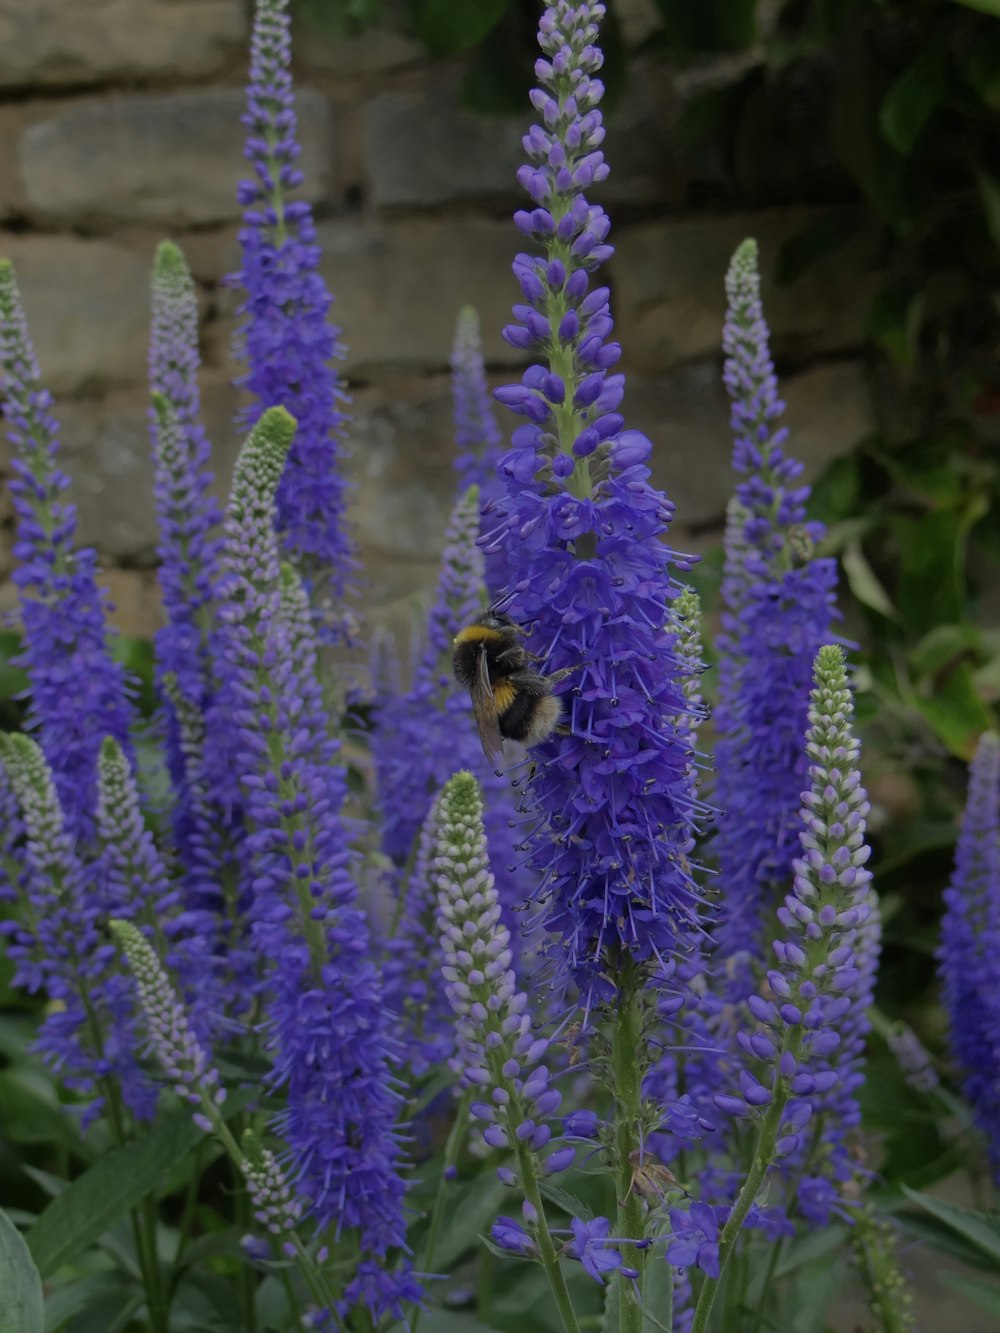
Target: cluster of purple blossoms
{"x":186,"y":510}
{"x":286,"y":338}
{"x":477,"y":435}
{"x":171,"y":1039}
{"x":328,"y":1030}
{"x":78,"y":693}
{"x":808,"y":1045}
{"x":969,"y":956}
{"x":579,"y":528}
{"x":498,"y":1053}
{"x":779,"y":604}
{"x":56,"y":946}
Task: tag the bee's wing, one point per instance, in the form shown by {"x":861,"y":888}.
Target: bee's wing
{"x":484,"y":710}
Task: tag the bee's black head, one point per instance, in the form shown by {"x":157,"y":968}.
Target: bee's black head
{"x":496,"y":620}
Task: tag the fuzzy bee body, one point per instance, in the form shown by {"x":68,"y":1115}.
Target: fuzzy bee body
{"x":511,"y":700}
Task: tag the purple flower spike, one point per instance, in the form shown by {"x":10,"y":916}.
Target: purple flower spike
{"x":477,"y":435}
{"x":171,"y":1039}
{"x":78,"y":694}
{"x":275,"y":1207}
{"x":969,"y":956}
{"x":778,"y":609}
{"x":826,"y":956}
{"x":57,"y":947}
{"x":331,"y":1036}
{"x":286,"y":339}
{"x":580,"y":529}
{"x":187,"y":512}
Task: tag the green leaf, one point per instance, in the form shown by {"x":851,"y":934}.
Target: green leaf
{"x":911,"y":100}
{"x":864,"y":582}
{"x":982,"y":1229}
{"x":985,"y":1294}
{"x":472,"y":1216}
{"x":20,"y":1283}
{"x":991,"y":7}
{"x":95,"y":1289}
{"x":116,"y":1183}
{"x":447,"y":26}
{"x":657,"y":1295}
{"x":956,"y":713}
{"x":940,"y":646}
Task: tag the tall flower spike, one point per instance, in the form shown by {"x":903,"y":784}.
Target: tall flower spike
{"x":477,"y":435}
{"x":171,"y":1040}
{"x":424,"y":735}
{"x":56,"y":947}
{"x":498,"y":1054}
{"x":969,"y":955}
{"x":778,"y":600}
{"x":78,"y":693}
{"x":331,"y":1035}
{"x":580,"y":529}
{"x":285,"y":338}
{"x":187,"y":512}
{"x":804,"y":1038}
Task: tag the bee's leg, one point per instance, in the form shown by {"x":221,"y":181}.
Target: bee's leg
{"x":556,"y":676}
{"x":563,"y":730}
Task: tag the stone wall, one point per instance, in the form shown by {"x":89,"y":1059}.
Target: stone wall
{"x":119,"y":125}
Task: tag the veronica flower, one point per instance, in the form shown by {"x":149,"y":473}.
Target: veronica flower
{"x":286,"y":338}
{"x":78,"y":693}
{"x":968,"y":958}
{"x":811,"y":1019}
{"x":333,"y":1048}
{"x":498,"y":1055}
{"x":477,"y":435}
{"x":275,"y":1207}
{"x":171,"y":1039}
{"x":586,"y":568}
{"x":778,"y":601}
{"x":913,"y":1057}
{"x":187,"y":512}
{"x":57,"y":948}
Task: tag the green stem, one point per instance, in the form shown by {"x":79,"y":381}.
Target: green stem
{"x":452,"y":1148}
{"x":546,"y":1246}
{"x":625,"y":1042}
{"x":762,"y":1158}
{"x":248,"y":1283}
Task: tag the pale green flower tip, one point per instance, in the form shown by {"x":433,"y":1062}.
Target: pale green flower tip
{"x":470,"y":500}
{"x":467,"y":322}
{"x":743,"y":275}
{"x":831,"y":661}
{"x":461,"y":794}
{"x":109,"y":750}
{"x":275,"y":430}
{"x":18,"y":751}
{"x":170,"y":267}
{"x":8,"y":277}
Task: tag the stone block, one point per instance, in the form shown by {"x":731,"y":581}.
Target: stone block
{"x":106,"y":454}
{"x":424,"y":149}
{"x":87,"y":303}
{"x":686,"y":415}
{"x":369,"y":53}
{"x":669,"y":297}
{"x":173,"y":159}
{"x":399,"y":286}
{"x":66,"y":43}
{"x":136,"y":608}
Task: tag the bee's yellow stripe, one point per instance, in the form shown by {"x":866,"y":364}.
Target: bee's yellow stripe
{"x":477,"y":634}
{"x":504,"y":694}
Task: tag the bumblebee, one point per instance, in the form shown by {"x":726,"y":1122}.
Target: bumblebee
{"x":511,"y":700}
